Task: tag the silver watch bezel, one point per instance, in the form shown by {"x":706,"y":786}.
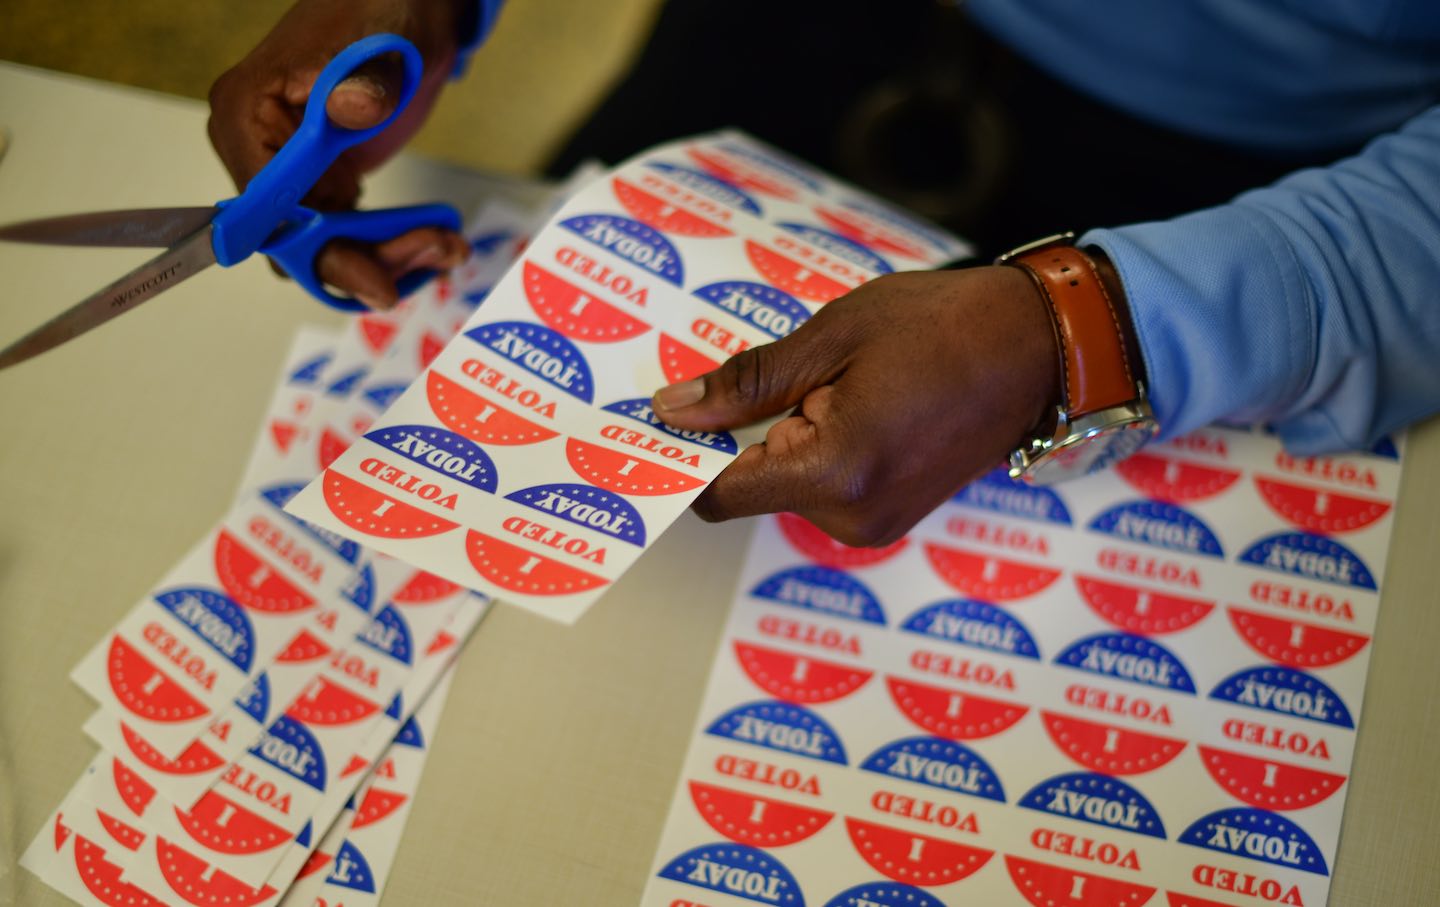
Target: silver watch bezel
{"x":1121,"y":430}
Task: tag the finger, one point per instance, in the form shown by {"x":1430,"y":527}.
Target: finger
{"x":428,"y":248}
{"x":797,"y":468}
{"x":352,"y":268}
{"x":369,"y":95}
{"x":761,"y":381}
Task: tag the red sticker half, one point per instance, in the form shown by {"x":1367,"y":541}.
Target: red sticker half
{"x":201,"y":884}
{"x":951,"y":713}
{"x":325,"y":703}
{"x":986,"y":577}
{"x":374,"y":513}
{"x":1294,"y":642}
{"x":1268,"y":784}
{"x":913,"y":858}
{"x":478,"y":419}
{"x":224,"y":826}
{"x":1141,"y":611}
{"x":618,"y":471}
{"x":785,"y":273}
{"x":1174,"y":481}
{"x":577,"y":314}
{"x":196,"y":758}
{"x":521,"y":570}
{"x":1045,"y":885}
{"x":752,"y":819}
{"x":102,"y":878}
{"x":145,"y":690}
{"x":798,"y":678}
{"x":1108,"y":749}
{"x":251,"y":582}
{"x":680,"y":363}
{"x":1319,"y":510}
{"x":664,"y":215}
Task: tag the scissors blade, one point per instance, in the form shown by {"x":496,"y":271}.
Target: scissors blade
{"x":157,"y":275}
{"x":140,"y":227}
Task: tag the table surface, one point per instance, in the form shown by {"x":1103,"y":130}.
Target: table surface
{"x":560,"y":746}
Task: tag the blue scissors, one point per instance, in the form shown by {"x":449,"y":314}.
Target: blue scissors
{"x":267,"y":218}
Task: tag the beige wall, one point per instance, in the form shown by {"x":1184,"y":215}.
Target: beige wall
{"x":546,"y":64}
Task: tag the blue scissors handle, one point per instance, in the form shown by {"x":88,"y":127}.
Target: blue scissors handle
{"x":253,"y":221}
{"x":295,"y":247}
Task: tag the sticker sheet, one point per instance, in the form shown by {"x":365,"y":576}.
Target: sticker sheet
{"x":525,"y":461}
{"x":1141,"y":688}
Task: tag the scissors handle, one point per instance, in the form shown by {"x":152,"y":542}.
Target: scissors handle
{"x":272,"y":197}
{"x":295,"y":249}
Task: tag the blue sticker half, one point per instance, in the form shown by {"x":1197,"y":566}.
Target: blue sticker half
{"x":360,"y":588}
{"x":1098,"y":799}
{"x":974,"y":623}
{"x":822,"y":590}
{"x":943,"y":764}
{"x":1125,"y":656}
{"x":289,"y":746}
{"x":783,"y":727}
{"x":396,"y":708}
{"x":541,"y":352}
{"x":1285,"y":691}
{"x":308,"y":372}
{"x":587,"y":506}
{"x":641,"y":245}
{"x":440,"y":451}
{"x":1312,"y":557}
{"x":345,"y":384}
{"x":351,"y":870}
{"x":279,"y":495}
{"x":213,"y":617}
{"x":639,"y":410}
{"x":488,"y":243}
{"x":1159,"y":524}
{"x":410,"y":734}
{"x":1386,"y":448}
{"x":712,"y":187}
{"x":761,"y":306}
{"x":996,"y":491}
{"x":900,"y":222}
{"x":389,"y":633}
{"x":254,"y":699}
{"x":884,"y":894}
{"x":303,"y":838}
{"x":1257,"y":835}
{"x":382,"y":395}
{"x":840,"y":247}
{"x":738,"y":870}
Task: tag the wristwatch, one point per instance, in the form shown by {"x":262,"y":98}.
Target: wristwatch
{"x":1103,"y":416}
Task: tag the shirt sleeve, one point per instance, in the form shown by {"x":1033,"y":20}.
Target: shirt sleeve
{"x":477,"y":27}
{"x":1312,"y":304}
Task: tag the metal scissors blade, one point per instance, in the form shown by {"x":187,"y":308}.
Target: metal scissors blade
{"x":140,"y":227}
{"x":190,"y":256}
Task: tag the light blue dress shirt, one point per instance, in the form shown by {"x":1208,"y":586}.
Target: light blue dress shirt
{"x":1313,"y":304}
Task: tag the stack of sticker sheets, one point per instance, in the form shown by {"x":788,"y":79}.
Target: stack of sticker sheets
{"x":1138,"y":689}
{"x":265,"y":711}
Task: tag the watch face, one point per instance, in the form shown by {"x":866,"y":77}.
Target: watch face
{"x":1082,"y":454}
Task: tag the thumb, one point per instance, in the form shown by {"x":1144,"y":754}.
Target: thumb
{"x":367,"y":96}
{"x":759,"y":382}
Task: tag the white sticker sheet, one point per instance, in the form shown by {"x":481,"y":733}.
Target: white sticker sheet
{"x":525,"y":461}
{"x":1140,"y":688}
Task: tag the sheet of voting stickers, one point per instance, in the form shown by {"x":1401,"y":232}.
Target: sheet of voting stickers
{"x":1140,"y":688}
{"x":231,"y":605}
{"x":525,"y":461}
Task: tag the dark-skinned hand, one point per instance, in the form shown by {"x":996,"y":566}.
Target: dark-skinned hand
{"x":256,"y":106}
{"x":899,"y":393}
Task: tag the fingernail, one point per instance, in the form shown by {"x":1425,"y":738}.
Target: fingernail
{"x":428,"y":257}
{"x":363,"y":83}
{"x":679,"y":396}
{"x":372,"y":302}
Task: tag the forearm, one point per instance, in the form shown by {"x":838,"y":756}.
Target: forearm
{"x":1310,"y":304}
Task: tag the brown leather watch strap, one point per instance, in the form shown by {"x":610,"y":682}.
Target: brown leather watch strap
{"x":1096,"y":372}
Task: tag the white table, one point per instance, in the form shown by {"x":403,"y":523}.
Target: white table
{"x":560,"y":747}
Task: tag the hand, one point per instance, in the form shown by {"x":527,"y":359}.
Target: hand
{"x":903,"y":391}
{"x":256,"y":105}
